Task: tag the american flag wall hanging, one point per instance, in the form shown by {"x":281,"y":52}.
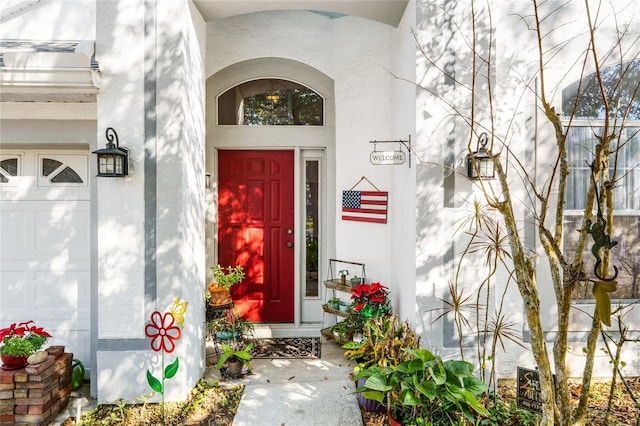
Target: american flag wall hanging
{"x":365,"y":206}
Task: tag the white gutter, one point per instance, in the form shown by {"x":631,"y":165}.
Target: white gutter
{"x":50,"y":72}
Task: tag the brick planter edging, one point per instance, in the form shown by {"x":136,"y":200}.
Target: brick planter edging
{"x":35,"y":394}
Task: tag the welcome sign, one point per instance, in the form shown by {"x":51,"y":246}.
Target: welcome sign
{"x":379,"y":158}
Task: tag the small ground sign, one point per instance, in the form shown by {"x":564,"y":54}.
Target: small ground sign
{"x":529,"y":397}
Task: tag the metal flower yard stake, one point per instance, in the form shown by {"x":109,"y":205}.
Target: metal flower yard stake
{"x":163,"y":334}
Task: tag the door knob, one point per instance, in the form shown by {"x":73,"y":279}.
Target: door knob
{"x":289,"y":231}
{"x":289,"y":244}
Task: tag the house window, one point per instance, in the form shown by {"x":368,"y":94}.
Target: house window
{"x":312,"y":227}
{"x":620,"y":82}
{"x":621,"y":86}
{"x":270,"y":102}
{"x":8,"y":169}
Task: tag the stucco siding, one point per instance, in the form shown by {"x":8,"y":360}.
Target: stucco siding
{"x":154,"y":96}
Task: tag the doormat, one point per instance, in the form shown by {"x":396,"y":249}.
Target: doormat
{"x":286,"y":347}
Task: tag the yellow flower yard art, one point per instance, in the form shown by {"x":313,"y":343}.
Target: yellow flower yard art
{"x":164,"y":330}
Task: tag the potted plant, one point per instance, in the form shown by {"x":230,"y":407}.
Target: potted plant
{"x":382,"y":344}
{"x":334,"y":303}
{"x":383,"y":341}
{"x":19,"y":341}
{"x":223,"y":280}
{"x":234,"y":359}
{"x":340,"y":331}
{"x":371,"y":300}
{"x":231,"y":325}
{"x":425,"y":389}
{"x":343,"y":306}
{"x":355,"y":280}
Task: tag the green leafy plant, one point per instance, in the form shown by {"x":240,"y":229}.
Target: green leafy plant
{"x":22,"y":339}
{"x":230,"y":325}
{"x":227,"y":277}
{"x":425,"y":389}
{"x":383,"y":340}
{"x":341,"y":329}
{"x":501,"y":413}
{"x":333,"y":302}
{"x":230,"y":354}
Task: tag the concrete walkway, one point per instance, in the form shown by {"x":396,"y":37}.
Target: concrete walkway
{"x":298,"y":392}
{"x":280,"y":392}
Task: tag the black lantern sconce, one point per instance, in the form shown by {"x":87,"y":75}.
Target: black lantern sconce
{"x":113,"y":161}
{"x":483,"y":161}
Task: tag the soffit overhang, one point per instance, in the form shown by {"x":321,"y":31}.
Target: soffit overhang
{"x":386,"y":11}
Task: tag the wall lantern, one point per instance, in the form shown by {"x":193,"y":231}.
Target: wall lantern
{"x":484,"y":162}
{"x":113,"y":161}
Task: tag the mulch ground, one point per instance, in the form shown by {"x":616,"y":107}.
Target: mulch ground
{"x":216,"y":404}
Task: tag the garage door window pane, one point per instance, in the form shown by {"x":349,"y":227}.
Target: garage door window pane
{"x":9,"y":168}
{"x":49,"y":165}
{"x":58,"y":172}
{"x":67,"y":175}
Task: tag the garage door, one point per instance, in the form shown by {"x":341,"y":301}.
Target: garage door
{"x":44,"y":244}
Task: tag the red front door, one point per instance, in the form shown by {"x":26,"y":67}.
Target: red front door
{"x":255,"y":230}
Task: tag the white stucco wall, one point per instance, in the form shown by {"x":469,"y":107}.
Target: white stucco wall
{"x":118,"y":204}
{"x":180,"y":184}
{"x":443,"y":116}
{"x":165,"y":63}
{"x":402,"y":223}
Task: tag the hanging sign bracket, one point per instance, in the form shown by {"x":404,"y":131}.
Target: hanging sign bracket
{"x":391,"y":157}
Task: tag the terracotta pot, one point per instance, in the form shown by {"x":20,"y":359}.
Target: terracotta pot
{"x":219,"y":295}
{"x":392,"y":421}
{"x":10,"y":362}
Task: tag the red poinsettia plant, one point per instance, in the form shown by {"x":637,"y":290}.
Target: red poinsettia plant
{"x":370,"y":300}
{"x":22,"y":339}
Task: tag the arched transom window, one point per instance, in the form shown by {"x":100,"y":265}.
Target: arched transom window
{"x":583,"y":99}
{"x":270,"y":102}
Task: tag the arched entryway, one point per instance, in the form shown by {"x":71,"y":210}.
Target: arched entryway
{"x":270,"y":145}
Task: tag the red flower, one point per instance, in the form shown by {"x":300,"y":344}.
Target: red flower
{"x":370,"y":299}
{"x":375,"y":287}
{"x":162,"y":332}
{"x":357,"y":291}
{"x":377,"y":298}
{"x":21,"y":329}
